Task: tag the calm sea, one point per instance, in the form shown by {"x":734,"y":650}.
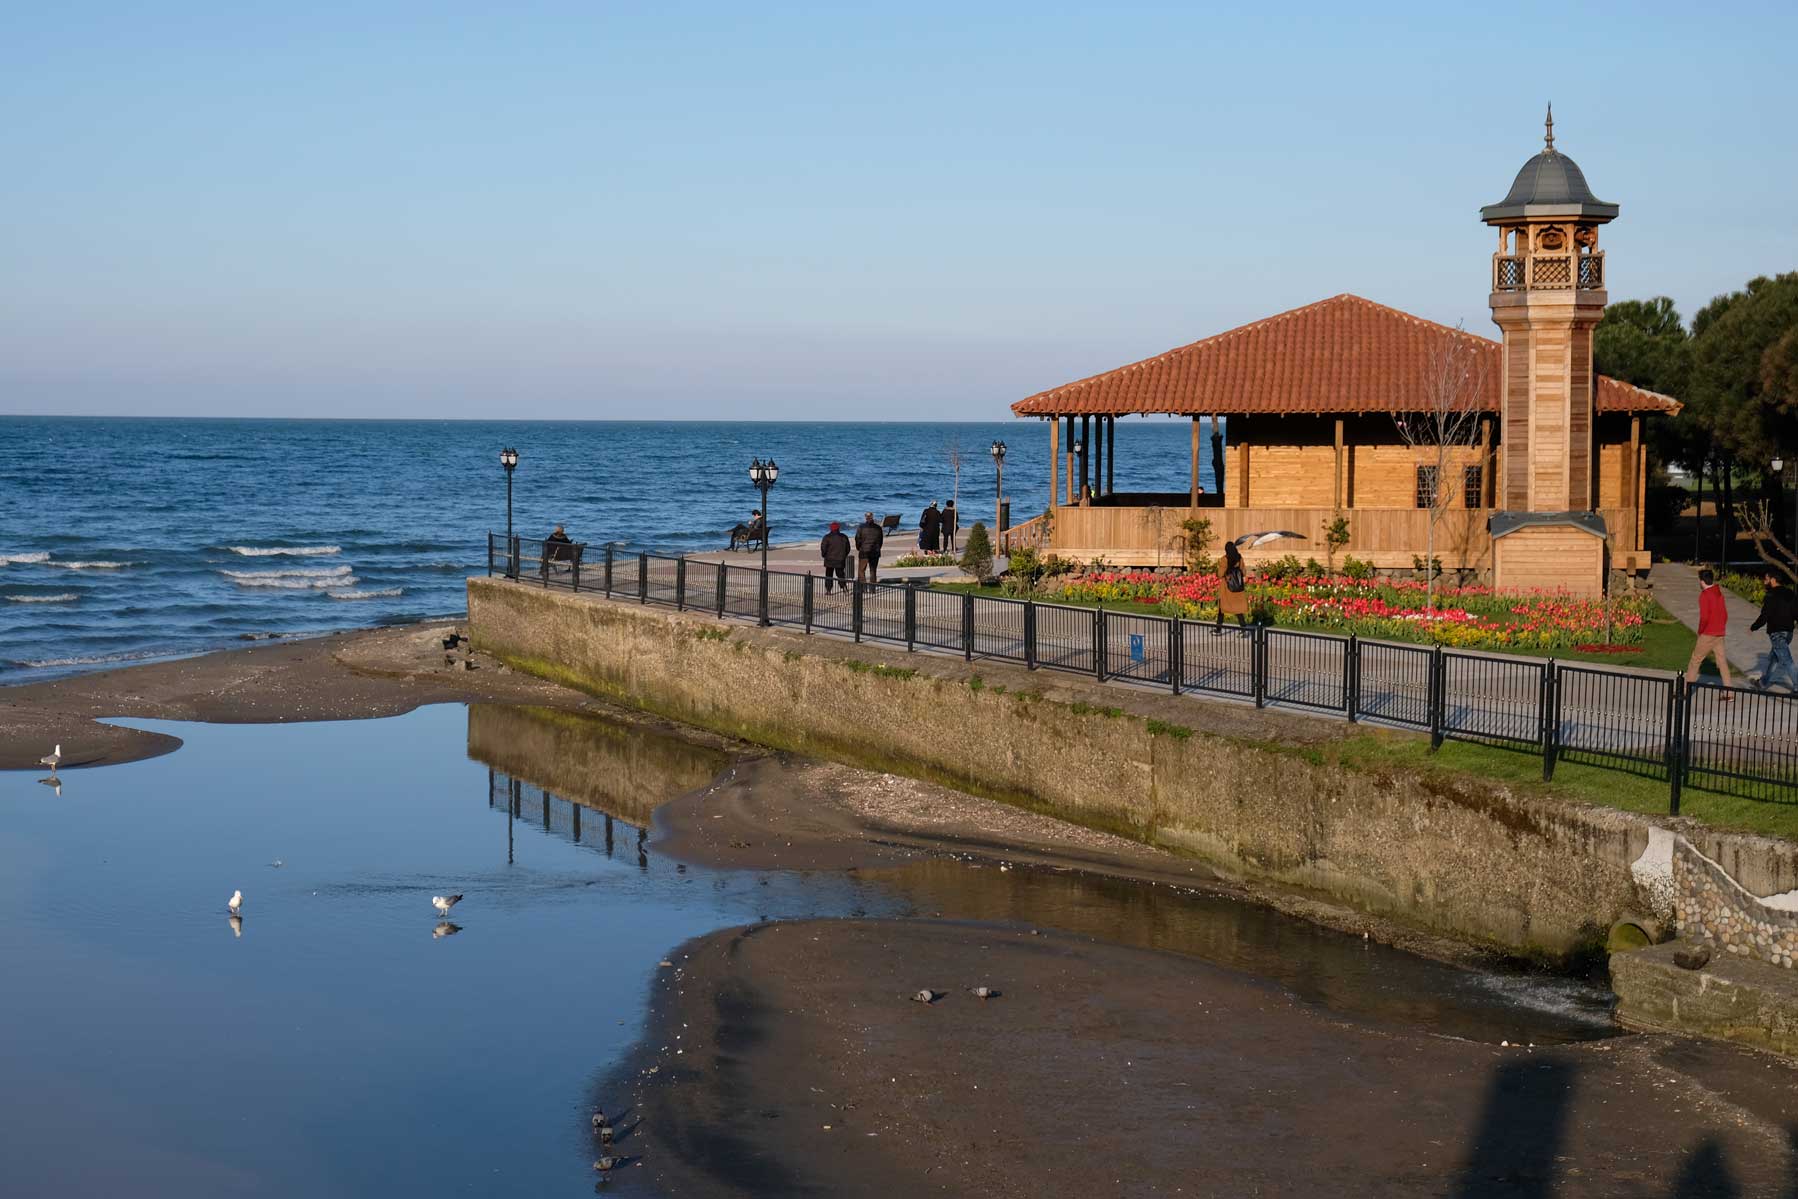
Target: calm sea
{"x":129,"y":539}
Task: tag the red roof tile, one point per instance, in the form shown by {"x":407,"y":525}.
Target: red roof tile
{"x":1343,"y":354}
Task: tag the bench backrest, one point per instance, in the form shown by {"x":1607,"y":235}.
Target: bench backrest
{"x":890,"y":521}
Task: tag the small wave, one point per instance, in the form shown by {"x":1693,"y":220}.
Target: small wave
{"x":292,"y":551}
{"x":368,"y":593}
{"x":313,"y":583}
{"x":93,"y":565}
{"x":92,"y":660}
{"x":23,"y":559}
{"x":66,"y":597}
{"x":290,"y":572}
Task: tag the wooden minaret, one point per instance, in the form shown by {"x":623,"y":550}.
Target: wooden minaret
{"x":1548,"y":294}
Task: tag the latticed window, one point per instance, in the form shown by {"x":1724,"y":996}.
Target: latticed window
{"x":1427,"y":480}
{"x":1473,"y":495}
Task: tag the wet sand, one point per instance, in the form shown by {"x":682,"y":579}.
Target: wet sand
{"x":344,"y":676}
{"x":785,"y":1059}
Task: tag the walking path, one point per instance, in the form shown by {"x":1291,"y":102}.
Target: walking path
{"x":1676,"y":586}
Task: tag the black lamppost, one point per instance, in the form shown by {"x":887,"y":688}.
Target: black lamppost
{"x":508,"y":458}
{"x":998,"y":453}
{"x":763,"y":475}
{"x":1779,"y":466}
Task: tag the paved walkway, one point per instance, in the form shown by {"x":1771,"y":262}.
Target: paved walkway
{"x":1676,"y":586}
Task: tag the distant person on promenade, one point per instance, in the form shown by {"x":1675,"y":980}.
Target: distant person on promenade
{"x":1232,"y":590}
{"x":1713,"y":620}
{"x":1778,"y":613}
{"x":834,"y":549}
{"x":554,"y":543}
{"x":929,"y":525}
{"x":868,"y":540}
{"x":951,"y":524}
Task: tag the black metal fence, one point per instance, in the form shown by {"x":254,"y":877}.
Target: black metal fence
{"x":1726,"y":739}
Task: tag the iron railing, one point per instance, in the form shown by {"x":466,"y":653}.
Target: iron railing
{"x":1727,"y":739}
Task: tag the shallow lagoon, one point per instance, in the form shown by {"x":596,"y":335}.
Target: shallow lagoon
{"x":334,"y":1045}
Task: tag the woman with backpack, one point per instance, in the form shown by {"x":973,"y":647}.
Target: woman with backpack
{"x":1232,"y":590}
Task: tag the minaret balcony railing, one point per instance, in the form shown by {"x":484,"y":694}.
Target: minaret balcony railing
{"x":1547,"y":272}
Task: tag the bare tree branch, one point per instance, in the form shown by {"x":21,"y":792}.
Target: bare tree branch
{"x":1440,"y":426}
{"x":1756,"y":520}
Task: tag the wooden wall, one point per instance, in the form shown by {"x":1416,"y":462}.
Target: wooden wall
{"x":1549,"y":558}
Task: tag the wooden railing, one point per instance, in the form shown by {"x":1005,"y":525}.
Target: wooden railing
{"x":1032,"y":534}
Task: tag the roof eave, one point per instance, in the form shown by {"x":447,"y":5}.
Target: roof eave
{"x":1594,"y":210}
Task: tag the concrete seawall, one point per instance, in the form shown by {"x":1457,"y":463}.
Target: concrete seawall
{"x":1255,"y":794}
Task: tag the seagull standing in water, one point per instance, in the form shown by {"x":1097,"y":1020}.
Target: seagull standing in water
{"x":443,"y":903}
{"x":235,"y":904}
{"x":53,"y":759}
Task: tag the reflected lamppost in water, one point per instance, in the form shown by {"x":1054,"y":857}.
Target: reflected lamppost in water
{"x":508,"y":458}
{"x":763,"y":475}
{"x":998,"y":453}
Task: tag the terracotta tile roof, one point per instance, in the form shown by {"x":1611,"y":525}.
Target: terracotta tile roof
{"x":1343,"y":354}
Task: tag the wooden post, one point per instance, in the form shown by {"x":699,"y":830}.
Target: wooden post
{"x":1195,"y":462}
{"x":1641,"y":492}
{"x":1336,"y":477}
{"x":1241,"y":467}
{"x":1054,"y":459}
{"x":1068,"y":450}
{"x":1086,"y":449}
{"x":1633,"y":490}
{"x":1111,"y":438}
{"x":1099,"y":458}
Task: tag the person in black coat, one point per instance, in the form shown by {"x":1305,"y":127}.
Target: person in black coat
{"x":1779,"y":612}
{"x":951,"y":523}
{"x":868,"y":540}
{"x":929,"y":525}
{"x":834,"y":549}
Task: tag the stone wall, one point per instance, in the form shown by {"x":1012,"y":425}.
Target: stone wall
{"x":1257,"y":795}
{"x":1712,"y":906}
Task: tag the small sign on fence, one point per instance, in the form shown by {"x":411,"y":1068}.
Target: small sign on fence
{"x":1136,"y":647}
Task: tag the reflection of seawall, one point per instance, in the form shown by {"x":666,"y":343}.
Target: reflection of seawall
{"x":619,"y":768}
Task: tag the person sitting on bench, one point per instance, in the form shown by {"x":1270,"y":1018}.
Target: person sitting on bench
{"x":742,"y":535}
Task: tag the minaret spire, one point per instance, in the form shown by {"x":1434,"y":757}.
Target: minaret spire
{"x":1548,"y":140}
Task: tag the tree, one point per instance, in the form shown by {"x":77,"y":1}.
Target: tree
{"x":952,"y":455}
{"x":1336,"y":537}
{"x":977,"y":558}
{"x":1442,"y":425}
{"x":1195,"y":544}
{"x":1757,"y":522}
{"x":1643,"y":342}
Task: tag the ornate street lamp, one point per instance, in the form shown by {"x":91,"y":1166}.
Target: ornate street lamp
{"x":1779,"y":466}
{"x":998,"y":453}
{"x":763,"y":475}
{"x":508,"y":458}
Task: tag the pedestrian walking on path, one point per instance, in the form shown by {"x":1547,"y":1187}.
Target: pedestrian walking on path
{"x":1779,"y":611}
{"x":834,"y":549}
{"x":1232,"y":590}
{"x":868,"y":540}
{"x":1713,"y":623}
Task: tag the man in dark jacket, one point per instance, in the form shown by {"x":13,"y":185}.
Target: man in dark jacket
{"x":1778,"y":613}
{"x":868,"y":539}
{"x":834,"y":549}
{"x":929,"y":525}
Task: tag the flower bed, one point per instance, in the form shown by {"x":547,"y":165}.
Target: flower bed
{"x":1472,"y":617}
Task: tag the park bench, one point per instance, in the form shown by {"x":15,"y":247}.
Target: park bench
{"x":890,"y":522}
{"x":557,"y":554}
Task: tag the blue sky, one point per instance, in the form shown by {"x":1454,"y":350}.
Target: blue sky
{"x":831,"y":211}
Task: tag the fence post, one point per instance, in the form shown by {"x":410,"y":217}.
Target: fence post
{"x":809,"y":584}
{"x":761,"y":595}
{"x":1351,"y":682}
{"x":1101,"y":646}
{"x":1258,"y":664}
{"x":1551,"y":718}
{"x":967,"y":626}
{"x":855,"y":610}
{"x":490,"y":553}
{"x":723,"y":587}
{"x":1438,"y":684}
{"x":642,"y":578}
{"x":574,"y":573}
{"x":1176,"y":666}
{"x":608,"y":570}
{"x":680,"y":586}
{"x":911,"y":618}
{"x":513,"y":552}
{"x":1679,"y":738}
{"x":1029,"y":634}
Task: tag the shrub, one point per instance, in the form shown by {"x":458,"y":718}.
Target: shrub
{"x":1336,"y":538}
{"x":1195,"y":542}
{"x":1281,"y":569}
{"x":1417,"y":567}
{"x":1316,"y":570}
{"x":1356,"y":569}
{"x":977,"y":558}
{"x":926,"y":560}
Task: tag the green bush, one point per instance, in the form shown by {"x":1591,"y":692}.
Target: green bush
{"x":1315,"y":569}
{"x":1281,"y":569}
{"x":1357,"y":570}
{"x":977,"y":558}
{"x":1195,"y":542}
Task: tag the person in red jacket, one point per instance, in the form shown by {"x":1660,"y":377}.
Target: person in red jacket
{"x":1713,"y":619}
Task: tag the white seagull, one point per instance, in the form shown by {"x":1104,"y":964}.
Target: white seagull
{"x":52,"y":759}
{"x":443,"y":903}
{"x":235,"y":906}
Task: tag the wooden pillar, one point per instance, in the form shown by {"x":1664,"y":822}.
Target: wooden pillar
{"x":1111,"y":441}
{"x":1054,"y":460}
{"x":1086,"y":450}
{"x":1217,"y":461}
{"x":1636,"y":493}
{"x":1241,"y":470}
{"x":1068,"y":451}
{"x":1336,"y":477}
{"x":1195,"y":462}
{"x":1099,"y":458}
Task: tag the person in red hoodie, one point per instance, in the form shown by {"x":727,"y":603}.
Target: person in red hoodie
{"x":1713,"y":619}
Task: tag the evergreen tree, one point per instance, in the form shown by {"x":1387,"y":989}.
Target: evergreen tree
{"x":977,"y":558}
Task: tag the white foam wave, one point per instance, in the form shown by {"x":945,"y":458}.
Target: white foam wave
{"x":95,"y":660}
{"x":23,"y":559}
{"x":65,"y":598}
{"x":304,"y":583}
{"x":369,"y":593}
{"x":250,"y":577}
{"x":92,"y":565}
{"x":292,"y":551}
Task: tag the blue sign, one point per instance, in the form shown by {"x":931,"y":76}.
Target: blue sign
{"x":1136,"y":647}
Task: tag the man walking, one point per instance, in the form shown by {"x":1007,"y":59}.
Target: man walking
{"x":868,"y":539}
{"x":834,"y":549}
{"x":1778,"y":612}
{"x":1713,"y":619}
